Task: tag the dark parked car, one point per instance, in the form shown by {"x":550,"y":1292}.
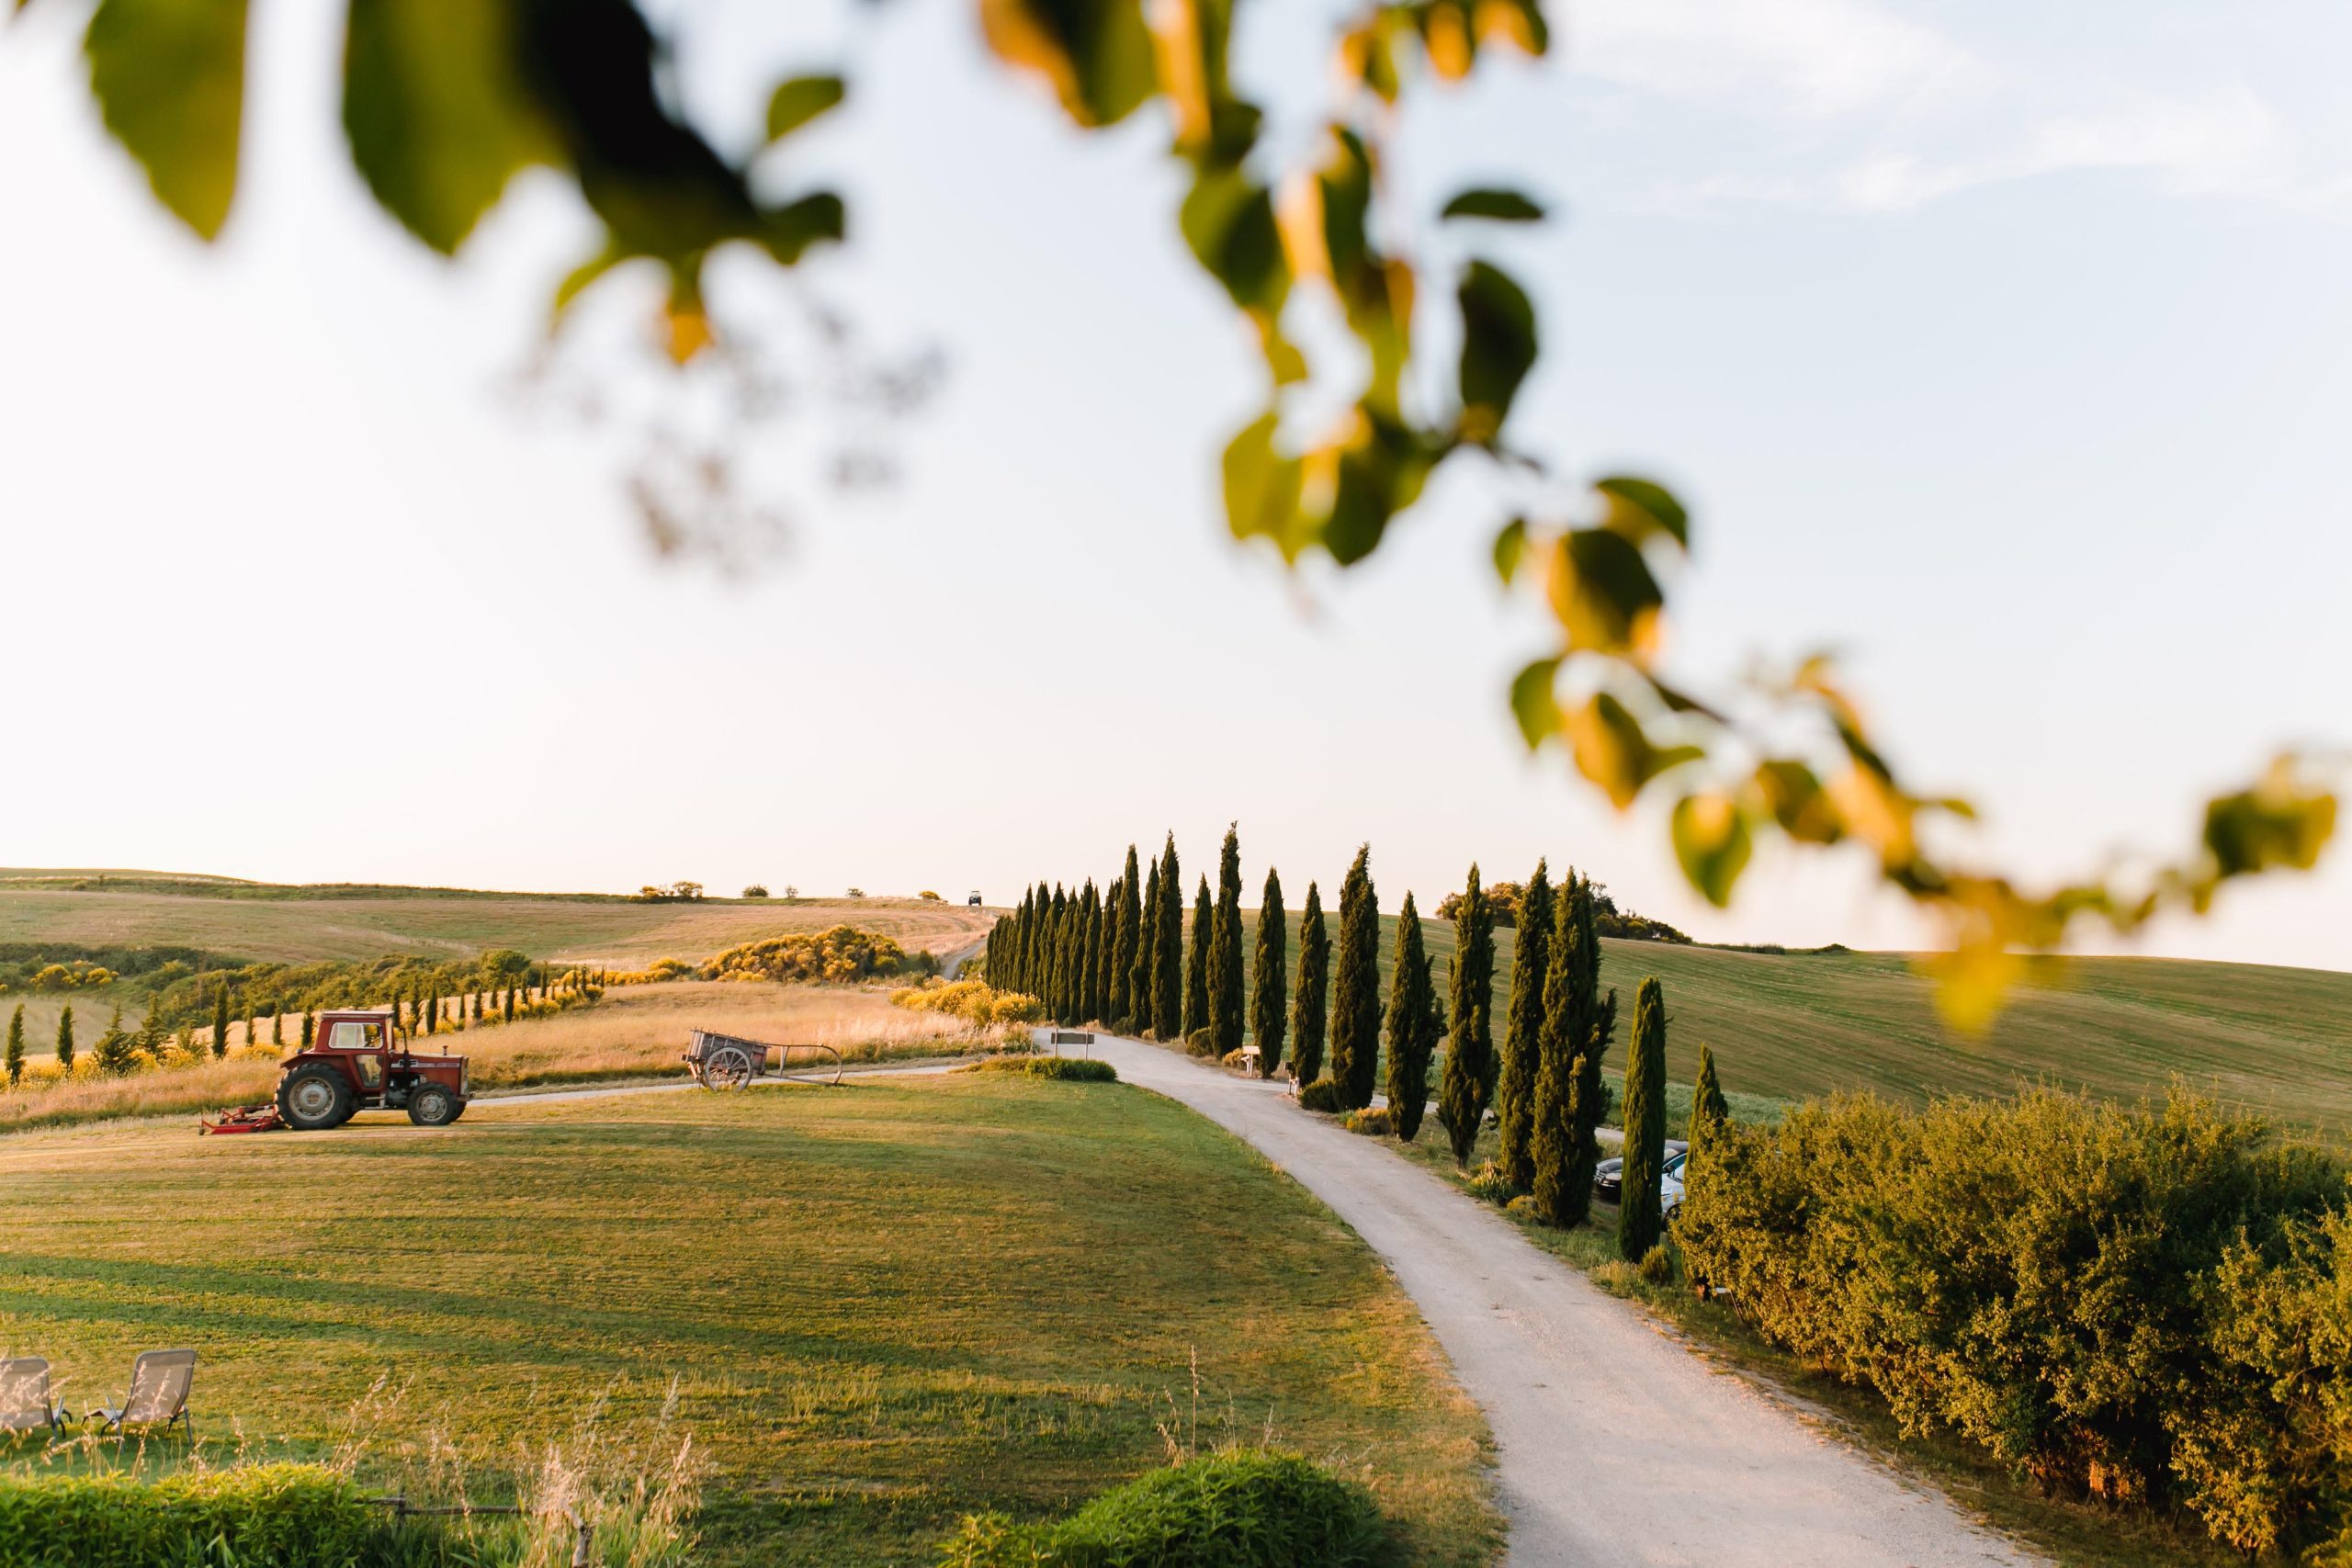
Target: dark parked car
{"x":1608,"y":1177}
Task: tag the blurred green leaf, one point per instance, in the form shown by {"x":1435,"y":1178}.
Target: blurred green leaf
{"x":801,"y":99}
{"x":169,"y":76}
{"x":790,"y":230}
{"x":1228,"y":221}
{"x":1097,"y":53}
{"x":1497,"y":348}
{"x":1641,"y":509}
{"x":1535,"y":702}
{"x":1379,"y":474}
{"x":1261,"y":488}
{"x":1710,"y":839}
{"x":1510,"y":547}
{"x":2277,"y":823}
{"x":1613,"y":749}
{"x":438,"y":114}
{"x":1496,"y":205}
{"x":1791,"y":792}
{"x":1601,"y":591}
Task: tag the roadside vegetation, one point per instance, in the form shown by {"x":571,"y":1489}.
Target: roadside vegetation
{"x":876,"y":1310}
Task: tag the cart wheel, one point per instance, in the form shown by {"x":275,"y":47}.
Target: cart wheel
{"x":727,"y":1067}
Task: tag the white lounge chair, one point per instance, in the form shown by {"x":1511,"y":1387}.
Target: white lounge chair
{"x":160,"y":1381}
{"x":24,"y":1403}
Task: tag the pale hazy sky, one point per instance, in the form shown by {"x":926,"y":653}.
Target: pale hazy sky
{"x":2007,"y":348}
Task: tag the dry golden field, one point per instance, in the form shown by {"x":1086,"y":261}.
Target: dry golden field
{"x":636,"y":1031}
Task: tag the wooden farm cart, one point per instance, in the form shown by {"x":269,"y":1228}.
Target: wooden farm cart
{"x":724,"y":1061}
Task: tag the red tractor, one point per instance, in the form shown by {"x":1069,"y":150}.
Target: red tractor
{"x":355,"y":1063}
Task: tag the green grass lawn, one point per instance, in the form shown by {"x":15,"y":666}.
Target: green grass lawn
{"x":884,"y":1306}
{"x":1787,"y":1025}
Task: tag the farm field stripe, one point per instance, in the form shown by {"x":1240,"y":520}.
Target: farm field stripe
{"x":1616,"y":1443}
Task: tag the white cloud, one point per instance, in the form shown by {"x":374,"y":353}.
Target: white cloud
{"x":1811,"y":58}
{"x":1856,"y":108}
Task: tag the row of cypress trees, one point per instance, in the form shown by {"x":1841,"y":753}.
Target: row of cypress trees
{"x":1124,"y":957}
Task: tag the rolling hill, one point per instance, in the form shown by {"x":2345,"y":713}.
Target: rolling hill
{"x":297,"y":924}
{"x":2274,"y":1039}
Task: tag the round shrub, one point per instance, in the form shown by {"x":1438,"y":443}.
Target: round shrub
{"x":1201,"y":1043}
{"x":1490,"y":1185}
{"x":1373,"y":1122}
{"x":1323,"y":1094}
{"x":1245,"y":1509}
{"x":1658,"y":1266}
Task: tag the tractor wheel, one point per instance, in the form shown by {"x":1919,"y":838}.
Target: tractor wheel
{"x":433,"y":1106}
{"x":312,"y":1099}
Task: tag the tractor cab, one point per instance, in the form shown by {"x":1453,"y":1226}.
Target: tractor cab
{"x":356,"y":1061}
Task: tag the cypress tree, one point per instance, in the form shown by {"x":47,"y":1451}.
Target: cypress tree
{"x":1127,"y":1008}
{"x":65,"y":1038}
{"x":1709,"y":1111}
{"x":1307,"y":1008}
{"x":221,"y":1021}
{"x":1005,"y":972}
{"x":1589,"y":1107}
{"x":249,"y":1023}
{"x":278,"y":1022}
{"x":112,"y":1052}
{"x":1555,"y":1068}
{"x":1469,"y":1080}
{"x":433,"y":1013}
{"x":1268,"y":984}
{"x":507,"y":1007}
{"x":1228,"y":1016}
{"x":1196,"y":970}
{"x":1057,"y":956}
{"x":309,"y":1027}
{"x":1167,"y":952}
{"x":1109,"y":975}
{"x":1639,"y":1221}
{"x":1355,"y":987}
{"x":15,"y":1057}
{"x":1090,"y":968}
{"x":1411,"y":1040}
{"x":1522,"y":1045}
{"x":1143,"y":980}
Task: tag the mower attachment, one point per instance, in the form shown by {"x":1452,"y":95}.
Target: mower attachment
{"x":244,"y":1119}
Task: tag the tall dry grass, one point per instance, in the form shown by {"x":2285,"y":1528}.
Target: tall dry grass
{"x":636,"y":1031}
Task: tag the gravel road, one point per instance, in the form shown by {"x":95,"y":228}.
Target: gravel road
{"x":1618,"y":1445}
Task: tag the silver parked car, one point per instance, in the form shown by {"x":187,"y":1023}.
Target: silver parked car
{"x":1608,"y":1177}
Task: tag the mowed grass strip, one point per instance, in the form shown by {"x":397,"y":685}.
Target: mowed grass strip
{"x":886,"y":1305}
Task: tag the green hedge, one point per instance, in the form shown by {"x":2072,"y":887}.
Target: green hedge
{"x":1236,"y":1510}
{"x":2150,"y":1305}
{"x":276,"y":1516}
{"x":1076,"y":1068}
